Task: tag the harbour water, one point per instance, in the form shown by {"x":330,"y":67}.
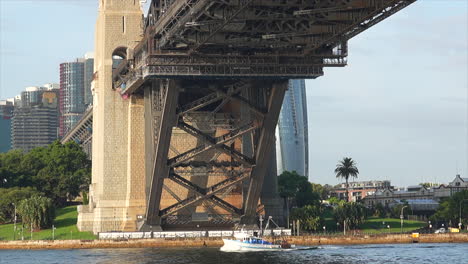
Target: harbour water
{"x":378,"y":254}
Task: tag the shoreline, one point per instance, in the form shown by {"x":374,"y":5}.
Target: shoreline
{"x":217,"y":242}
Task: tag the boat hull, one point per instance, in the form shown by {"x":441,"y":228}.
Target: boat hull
{"x":239,"y":246}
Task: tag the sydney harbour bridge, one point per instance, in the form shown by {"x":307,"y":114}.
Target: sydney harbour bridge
{"x":183,"y":129}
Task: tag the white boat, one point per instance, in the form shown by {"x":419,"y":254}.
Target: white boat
{"x":245,"y":242}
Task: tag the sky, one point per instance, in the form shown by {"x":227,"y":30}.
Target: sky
{"x":399,"y":108}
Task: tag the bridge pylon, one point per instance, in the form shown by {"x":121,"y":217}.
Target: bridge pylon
{"x":117,"y":190}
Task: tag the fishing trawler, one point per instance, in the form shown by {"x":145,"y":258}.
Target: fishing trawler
{"x":246,"y":242}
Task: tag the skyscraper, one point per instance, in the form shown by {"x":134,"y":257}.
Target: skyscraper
{"x":88,"y":78}
{"x":35,"y":120}
{"x":292,"y":151}
{"x":72,"y":102}
{"x":30,"y":96}
{"x":75,"y":91}
{"x":6,"y":113}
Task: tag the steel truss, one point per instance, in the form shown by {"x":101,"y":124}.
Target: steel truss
{"x":171,"y":108}
{"x":224,"y":47}
{"x":248,"y":38}
{"x":82,"y":133}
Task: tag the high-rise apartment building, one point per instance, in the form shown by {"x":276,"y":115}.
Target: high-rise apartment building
{"x":292,"y":151}
{"x":75,"y":91}
{"x":35,"y":120}
{"x":6,"y":113}
{"x":88,"y":78}
{"x":72,"y":103}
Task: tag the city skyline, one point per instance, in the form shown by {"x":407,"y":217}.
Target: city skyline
{"x":393,"y":120}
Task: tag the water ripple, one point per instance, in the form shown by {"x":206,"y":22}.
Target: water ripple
{"x":360,"y":254}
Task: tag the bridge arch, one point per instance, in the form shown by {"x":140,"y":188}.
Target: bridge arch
{"x":119,"y":56}
{"x":120,"y":52}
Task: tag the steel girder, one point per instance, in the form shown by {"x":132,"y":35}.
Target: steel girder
{"x":234,"y":38}
{"x":180,"y":168}
{"x":82,"y":132}
{"x":180,"y":25}
{"x":163,"y":103}
{"x":263,"y":149}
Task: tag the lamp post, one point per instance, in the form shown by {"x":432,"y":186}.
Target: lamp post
{"x":460,"y":207}
{"x":401,"y":217}
{"x":14,"y":226}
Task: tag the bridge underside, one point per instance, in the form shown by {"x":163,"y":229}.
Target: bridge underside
{"x":213,"y":76}
{"x":213,"y":141}
{"x":218,"y":71}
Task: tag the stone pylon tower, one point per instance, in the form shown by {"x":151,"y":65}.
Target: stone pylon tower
{"x":117,"y":193}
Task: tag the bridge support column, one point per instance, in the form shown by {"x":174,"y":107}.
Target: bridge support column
{"x":263,"y":151}
{"x":162,"y":99}
{"x":206,"y":163}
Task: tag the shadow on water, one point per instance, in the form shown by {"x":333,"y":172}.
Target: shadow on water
{"x":378,"y":254}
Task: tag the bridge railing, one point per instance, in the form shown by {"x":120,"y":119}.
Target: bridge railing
{"x":188,"y":234}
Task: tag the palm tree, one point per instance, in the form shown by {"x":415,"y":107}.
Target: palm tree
{"x":344,"y":169}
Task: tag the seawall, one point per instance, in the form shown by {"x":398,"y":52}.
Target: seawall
{"x":217,"y":242}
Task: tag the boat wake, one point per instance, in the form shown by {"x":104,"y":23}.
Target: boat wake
{"x":243,"y":250}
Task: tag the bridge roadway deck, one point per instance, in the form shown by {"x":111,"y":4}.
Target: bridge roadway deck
{"x":247,"y":38}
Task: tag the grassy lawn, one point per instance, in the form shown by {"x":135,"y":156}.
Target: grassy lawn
{"x":375,"y":225}
{"x":65,"y":223}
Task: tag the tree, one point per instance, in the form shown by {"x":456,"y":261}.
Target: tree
{"x":59,"y":171}
{"x":449,"y":209}
{"x":380,"y":211}
{"x":309,"y":217}
{"x":345,"y":169}
{"x":397,"y":209}
{"x":11,"y":197}
{"x":333,"y":201}
{"x":322,"y":190}
{"x":353,"y":213}
{"x":37,"y":212}
{"x":12,"y":172}
{"x":66,"y":173}
{"x":297,"y":190}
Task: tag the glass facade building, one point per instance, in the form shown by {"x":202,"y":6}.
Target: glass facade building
{"x":72,"y":97}
{"x":292,"y":151}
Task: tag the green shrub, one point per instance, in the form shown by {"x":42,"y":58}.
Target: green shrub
{"x":9,"y":197}
{"x":309,"y":217}
{"x":37,"y":212}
